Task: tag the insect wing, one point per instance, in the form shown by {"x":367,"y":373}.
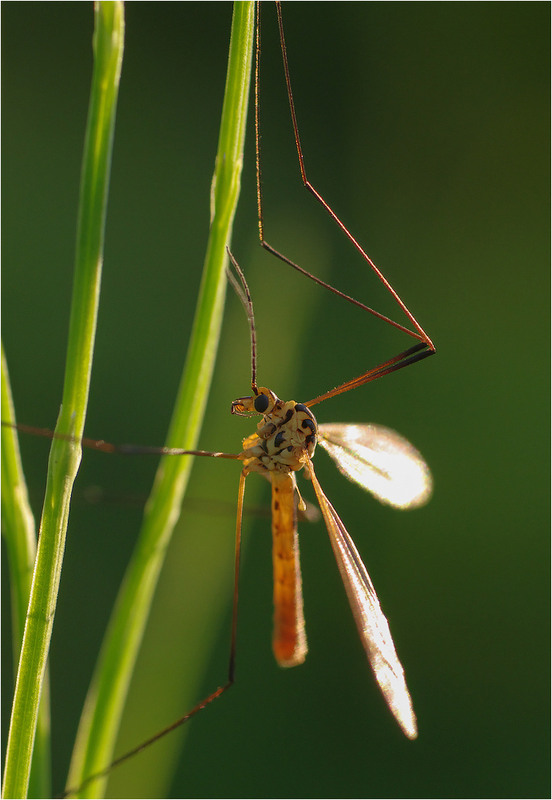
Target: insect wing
{"x":380,"y":461}
{"x":372,"y":625}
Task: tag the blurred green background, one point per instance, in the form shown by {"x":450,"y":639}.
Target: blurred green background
{"x":426,"y":126}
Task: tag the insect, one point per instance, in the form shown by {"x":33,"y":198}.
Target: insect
{"x":376,"y":458}
{"x":278,"y":433}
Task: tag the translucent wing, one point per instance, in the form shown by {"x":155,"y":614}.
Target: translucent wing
{"x":381,"y":461}
{"x":372,"y":625}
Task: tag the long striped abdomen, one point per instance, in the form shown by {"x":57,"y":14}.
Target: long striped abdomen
{"x":289,"y":640}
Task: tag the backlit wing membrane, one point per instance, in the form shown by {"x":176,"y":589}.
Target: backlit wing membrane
{"x":380,"y":460}
{"x":372,"y":625}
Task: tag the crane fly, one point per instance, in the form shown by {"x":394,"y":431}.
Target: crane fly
{"x":376,"y":458}
{"x":283,"y":444}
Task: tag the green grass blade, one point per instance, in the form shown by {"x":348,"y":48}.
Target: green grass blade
{"x":65,"y":455}
{"x":19,"y":532}
{"x":105,"y":701}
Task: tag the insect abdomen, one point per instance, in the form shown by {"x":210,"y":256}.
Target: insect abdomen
{"x":289,"y":641}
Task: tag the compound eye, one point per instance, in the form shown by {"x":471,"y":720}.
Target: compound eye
{"x":261,"y":403}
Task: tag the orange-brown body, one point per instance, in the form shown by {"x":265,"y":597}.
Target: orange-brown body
{"x":284,"y":442}
{"x":289,"y":642}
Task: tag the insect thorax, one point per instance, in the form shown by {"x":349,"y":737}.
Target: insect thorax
{"x":286,"y":435}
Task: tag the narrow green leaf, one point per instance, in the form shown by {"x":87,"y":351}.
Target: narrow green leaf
{"x":19,"y":533}
{"x":65,"y":455}
{"x":106,"y":698}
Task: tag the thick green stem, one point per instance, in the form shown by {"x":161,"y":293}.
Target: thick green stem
{"x":19,"y":533}
{"x":65,"y":455}
{"x":106,"y":698}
